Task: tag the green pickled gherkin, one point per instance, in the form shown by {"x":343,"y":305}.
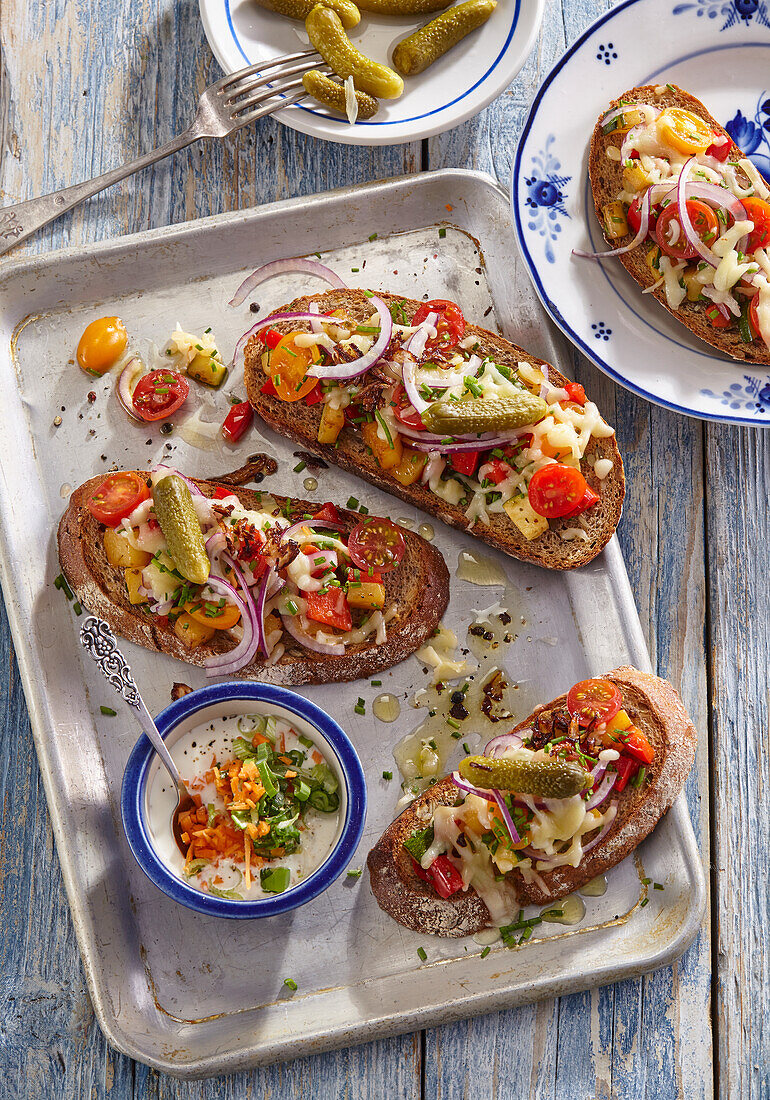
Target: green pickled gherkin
{"x":182,"y":529}
{"x":349,"y":14}
{"x":403,"y":7}
{"x":332,"y":95}
{"x":327,"y":34}
{"x":541,"y":778}
{"x":488,"y":414}
{"x":426,"y":45}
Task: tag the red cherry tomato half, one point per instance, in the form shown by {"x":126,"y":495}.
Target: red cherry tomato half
{"x":159,"y":394}
{"x":592,"y":699}
{"x":634,"y":216}
{"x":589,"y":499}
{"x":117,"y":496}
{"x":556,"y":490}
{"x":376,"y":544}
{"x":237,"y":421}
{"x":405,"y":412}
{"x":758,"y":211}
{"x":671,"y":236}
{"x":464,"y":462}
{"x":450,"y":326}
{"x":720,"y":152}
{"x":328,"y":513}
{"x":576,"y":393}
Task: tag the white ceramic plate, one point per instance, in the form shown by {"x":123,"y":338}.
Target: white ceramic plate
{"x":720,"y":51}
{"x":452,"y":90}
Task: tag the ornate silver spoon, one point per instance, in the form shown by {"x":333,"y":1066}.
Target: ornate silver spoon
{"x":99,"y":643}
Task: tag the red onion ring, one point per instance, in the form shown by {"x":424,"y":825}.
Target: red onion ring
{"x":711,"y":193}
{"x":364,"y":362}
{"x":504,"y":741}
{"x":459,"y":782}
{"x":311,"y":523}
{"x":194,"y":490}
{"x":410,"y":385}
{"x":297,"y":265}
{"x":500,"y":800}
{"x":126,"y":385}
{"x":260,"y":607}
{"x":235,"y":659}
{"x":273,"y":319}
{"x":483,"y":443}
{"x":644,"y":216}
{"x":605,"y":829}
{"x":602,"y":791}
{"x":308,"y":641}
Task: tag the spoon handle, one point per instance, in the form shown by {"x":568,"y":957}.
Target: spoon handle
{"x":98,"y":641}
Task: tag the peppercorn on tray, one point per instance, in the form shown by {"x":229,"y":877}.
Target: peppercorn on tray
{"x":224,"y":1006}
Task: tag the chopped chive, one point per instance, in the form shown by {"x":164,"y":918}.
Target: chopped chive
{"x":466,"y":747}
{"x":352,"y":503}
{"x":299,"y":467}
{"x":290,"y":983}
{"x":645,"y":901}
{"x":389,"y":775}
{"x":376,"y":683}
{"x":355,"y":873}
{"x":360,"y":707}
{"x":373,"y":237}
{"x":453,"y":723}
{"x":442,"y":232}
{"x":422,"y":953}
{"x":657,"y":885}
{"x":108,"y":712}
{"x":77,"y":608}
{"x":486,"y":951}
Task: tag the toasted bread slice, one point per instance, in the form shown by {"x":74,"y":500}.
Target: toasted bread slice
{"x":656,"y":708}
{"x":419,"y":588}
{"x":300,"y":422}
{"x":606,"y":184}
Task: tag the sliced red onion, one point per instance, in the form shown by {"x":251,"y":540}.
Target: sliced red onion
{"x":463,"y":785}
{"x":713,"y":194}
{"x":126,"y":385}
{"x":235,"y":659}
{"x":505,"y":741}
{"x":293,"y":627}
{"x":483,"y":443}
{"x":364,"y":362}
{"x":600,"y":836}
{"x":410,"y":385}
{"x":615,"y":112}
{"x":215,"y":544}
{"x":166,"y":470}
{"x":289,"y":532}
{"x":316,"y":325}
{"x":260,"y":606}
{"x":644,"y":215}
{"x":324,"y":559}
{"x":274,"y":319}
{"x":162,"y":608}
{"x":500,"y":800}
{"x":297,"y":265}
{"x":417,"y":341}
{"x":602,"y":791}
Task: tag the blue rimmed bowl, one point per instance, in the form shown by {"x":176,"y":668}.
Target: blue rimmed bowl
{"x":217,"y":701}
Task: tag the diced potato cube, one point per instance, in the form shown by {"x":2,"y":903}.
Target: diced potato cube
{"x":192,"y":633}
{"x":366,"y":594}
{"x":615,"y":222}
{"x":121,"y":553}
{"x":205,"y":368}
{"x":526,"y":518}
{"x":133,"y":583}
{"x":332,"y":423}
{"x":388,"y":456}
{"x":635,"y":178}
{"x":693,"y":284}
{"x":652,"y":259}
{"x":409,"y":469}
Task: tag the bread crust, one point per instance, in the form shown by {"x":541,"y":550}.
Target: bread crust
{"x":606,"y":184}
{"x":653,"y":705}
{"x":420,"y":587}
{"x":350,"y":453}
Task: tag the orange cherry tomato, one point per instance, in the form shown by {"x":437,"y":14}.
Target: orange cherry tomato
{"x":687,"y":132}
{"x":759,"y":212}
{"x":102,"y":344}
{"x":287,"y":368}
{"x":209,"y":613}
{"x":117,"y":496}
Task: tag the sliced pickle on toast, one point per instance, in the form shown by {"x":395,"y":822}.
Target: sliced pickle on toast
{"x":541,"y":778}
{"x":180,"y":524}
{"x":484,"y":414}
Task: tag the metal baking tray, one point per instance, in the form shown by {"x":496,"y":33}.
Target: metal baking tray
{"x":194,"y":996}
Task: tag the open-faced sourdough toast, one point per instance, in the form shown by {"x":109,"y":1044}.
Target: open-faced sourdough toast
{"x":654,"y":709}
{"x":416,"y":592}
{"x":641,"y":144}
{"x":449,"y":488}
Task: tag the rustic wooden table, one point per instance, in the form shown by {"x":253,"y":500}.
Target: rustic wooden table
{"x":85,"y":85}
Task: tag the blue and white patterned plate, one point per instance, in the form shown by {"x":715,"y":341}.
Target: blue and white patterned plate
{"x":720,"y":51}
{"x":452,"y":90}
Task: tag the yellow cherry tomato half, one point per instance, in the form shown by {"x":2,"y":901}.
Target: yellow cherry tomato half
{"x":102,"y":344}
{"x":208,"y":613}
{"x":287,"y":367}
{"x":685,"y":131}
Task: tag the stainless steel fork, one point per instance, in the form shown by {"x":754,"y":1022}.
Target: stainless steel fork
{"x":233,"y":102}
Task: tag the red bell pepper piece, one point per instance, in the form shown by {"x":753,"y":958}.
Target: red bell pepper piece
{"x":637,"y":744}
{"x":328,"y":512}
{"x":442,"y":875}
{"x":221,"y":492}
{"x":269,"y":388}
{"x":237,"y":421}
{"x":576,"y":393}
{"x":626,"y":768}
{"x":356,"y":575}
{"x":497,"y":470}
{"x":330,"y":608}
{"x":465,"y":462}
{"x":720,"y":152}
{"x":589,"y":498}
{"x":315,"y":395}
